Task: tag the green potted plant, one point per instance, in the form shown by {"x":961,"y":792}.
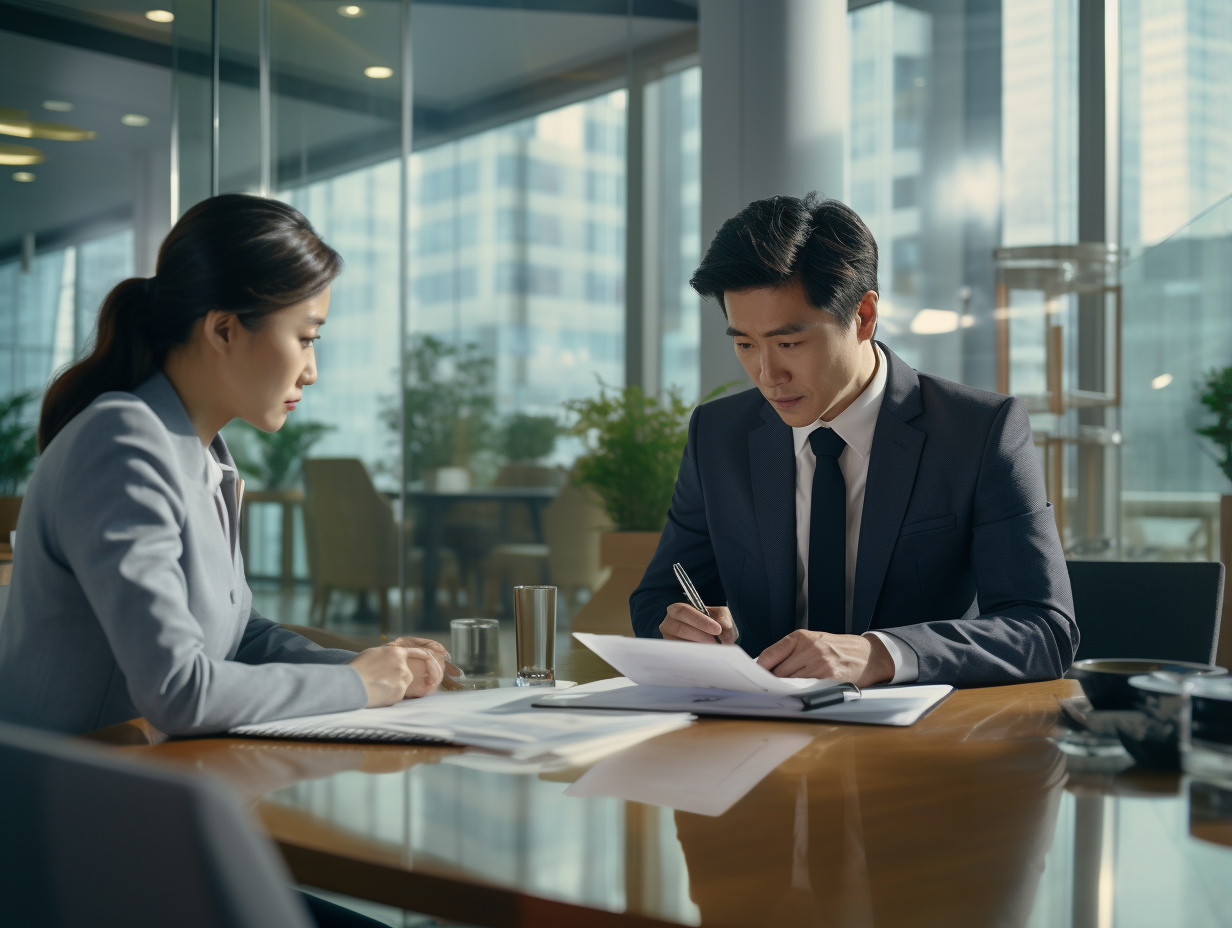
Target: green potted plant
{"x":18,"y":450}
{"x":1215,"y":393}
{"x":448,"y":409}
{"x":529,"y":439}
{"x":634,"y":443}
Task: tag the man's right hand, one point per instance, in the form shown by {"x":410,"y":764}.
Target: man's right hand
{"x":684,"y":623}
{"x":386,"y":673}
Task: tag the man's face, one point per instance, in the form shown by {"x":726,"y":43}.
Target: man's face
{"x":805,"y":362}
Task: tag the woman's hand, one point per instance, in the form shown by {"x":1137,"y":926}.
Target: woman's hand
{"x":387,"y":672}
{"x":427,"y":670}
{"x":428,"y":644}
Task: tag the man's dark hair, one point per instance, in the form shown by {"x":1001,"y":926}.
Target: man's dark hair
{"x":770,"y":242}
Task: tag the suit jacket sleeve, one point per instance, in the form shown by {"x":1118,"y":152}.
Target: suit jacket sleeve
{"x":685,"y":539}
{"x":265,"y":642}
{"x":120,"y":532}
{"x":1025,"y":629}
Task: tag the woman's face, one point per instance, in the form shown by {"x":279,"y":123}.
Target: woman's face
{"x":274,"y":363}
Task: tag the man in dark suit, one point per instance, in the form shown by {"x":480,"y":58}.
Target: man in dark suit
{"x":859,"y":520}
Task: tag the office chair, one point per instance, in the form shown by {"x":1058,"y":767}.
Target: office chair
{"x":1148,"y":609}
{"x":88,"y":838}
{"x":351,"y":533}
{"x":352,"y":538}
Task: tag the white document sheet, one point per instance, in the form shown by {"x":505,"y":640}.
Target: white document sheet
{"x":654,"y":662}
{"x":497,"y":719}
{"x":889,"y":705}
{"x":705,"y":770}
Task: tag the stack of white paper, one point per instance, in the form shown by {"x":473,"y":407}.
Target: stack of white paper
{"x":707,"y":679}
{"x":499,"y":720}
{"x":692,"y":665}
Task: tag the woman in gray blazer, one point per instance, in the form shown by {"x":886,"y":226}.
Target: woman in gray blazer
{"x":128,"y":595}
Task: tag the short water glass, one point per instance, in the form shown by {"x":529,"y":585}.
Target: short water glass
{"x":474,"y":646}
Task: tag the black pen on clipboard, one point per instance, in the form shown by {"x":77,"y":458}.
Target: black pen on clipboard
{"x":690,"y":593}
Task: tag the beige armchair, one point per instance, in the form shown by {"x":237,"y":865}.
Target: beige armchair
{"x":518,"y":556}
{"x":351,"y":535}
{"x":572,"y":524}
{"x":352,"y":538}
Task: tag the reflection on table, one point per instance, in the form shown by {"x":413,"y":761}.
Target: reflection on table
{"x":970,"y":817}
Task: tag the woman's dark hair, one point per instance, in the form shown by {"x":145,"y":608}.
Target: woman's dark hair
{"x":238,"y":253}
{"x":770,"y":242}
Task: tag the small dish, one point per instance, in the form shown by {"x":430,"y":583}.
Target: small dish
{"x":1151,"y":733}
{"x":1106,"y":680}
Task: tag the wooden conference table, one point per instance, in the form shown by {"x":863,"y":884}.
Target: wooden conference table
{"x":972,"y":817}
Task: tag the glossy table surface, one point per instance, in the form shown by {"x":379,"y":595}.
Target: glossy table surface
{"x":974,"y":816}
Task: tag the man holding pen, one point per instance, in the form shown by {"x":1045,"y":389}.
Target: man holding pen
{"x":852,"y":518}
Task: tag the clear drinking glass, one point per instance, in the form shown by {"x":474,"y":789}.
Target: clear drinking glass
{"x":474,"y":646}
{"x":534,"y":615}
{"x":1206,"y":728}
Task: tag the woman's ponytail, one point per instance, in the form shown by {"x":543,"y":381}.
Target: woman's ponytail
{"x":124,"y":355}
{"x":238,"y":253}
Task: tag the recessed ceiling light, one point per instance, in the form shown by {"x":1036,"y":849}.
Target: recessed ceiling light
{"x":1163,"y":380}
{"x":20,"y":155}
{"x":23,"y":177}
{"x":160,"y":16}
{"x":351,"y":12}
{"x":378,"y":71}
{"x":135,"y":119}
{"x":29,"y":129}
{"x":58,"y":106}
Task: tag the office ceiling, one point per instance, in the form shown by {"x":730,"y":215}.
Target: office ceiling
{"x":462,"y":50}
{"x":475,"y":63}
{"x":80,"y":183}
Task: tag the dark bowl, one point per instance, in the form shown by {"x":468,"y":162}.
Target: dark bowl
{"x":1151,"y":733}
{"x":1106,"y":680}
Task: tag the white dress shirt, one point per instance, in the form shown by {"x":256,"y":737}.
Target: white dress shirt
{"x":855,"y":425}
{"x":217,"y":472}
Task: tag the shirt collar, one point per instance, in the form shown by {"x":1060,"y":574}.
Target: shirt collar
{"x":215,"y":472}
{"x":857,"y":423}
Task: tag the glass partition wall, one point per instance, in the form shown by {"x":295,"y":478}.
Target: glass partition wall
{"x":471,"y":163}
{"x":516,"y":193}
{"x":1176,"y":222}
{"x":475,"y":165}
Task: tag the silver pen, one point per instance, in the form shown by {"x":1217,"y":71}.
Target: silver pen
{"x":691,"y":594}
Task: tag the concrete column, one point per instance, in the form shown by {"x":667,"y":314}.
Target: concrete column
{"x":775,"y":96}
{"x":151,"y":207}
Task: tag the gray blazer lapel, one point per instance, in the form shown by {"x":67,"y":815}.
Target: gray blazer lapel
{"x":158,"y":393}
{"x":772,"y":467}
{"x":892,"y":467}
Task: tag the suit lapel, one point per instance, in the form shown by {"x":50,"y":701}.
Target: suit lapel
{"x":159,"y":394}
{"x":892,"y":466}
{"x":772,"y":466}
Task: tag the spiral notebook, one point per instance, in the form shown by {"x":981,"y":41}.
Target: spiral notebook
{"x":500,"y":720}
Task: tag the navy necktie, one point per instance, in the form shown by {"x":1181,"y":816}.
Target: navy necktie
{"x":827,"y":560}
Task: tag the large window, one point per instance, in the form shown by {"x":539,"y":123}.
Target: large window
{"x":49,"y":304}
{"x":1176,"y":224}
{"x":519,"y":237}
{"x":481,"y":206}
